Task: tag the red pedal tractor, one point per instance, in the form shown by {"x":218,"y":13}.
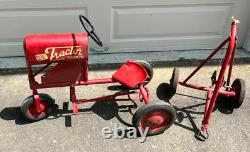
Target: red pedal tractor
{"x":234,"y":94}
{"x":68,"y":53}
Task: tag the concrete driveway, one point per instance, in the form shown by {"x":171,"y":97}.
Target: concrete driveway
{"x":229,"y":131}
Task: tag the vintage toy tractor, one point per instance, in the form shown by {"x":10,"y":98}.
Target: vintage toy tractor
{"x":64,"y":60}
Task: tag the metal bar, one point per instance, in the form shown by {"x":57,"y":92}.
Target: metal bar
{"x":206,"y":60}
{"x":65,"y":84}
{"x":73,"y":99}
{"x":202,"y":88}
{"x":194,"y":86}
{"x":209,"y":95}
{"x":228,"y":93}
{"x":108,"y":97}
{"x":231,"y":64}
{"x":144,"y":94}
{"x":30,"y":76}
{"x":221,"y":75}
{"x":40,"y":70}
{"x":96,"y":81}
{"x":37,"y":100}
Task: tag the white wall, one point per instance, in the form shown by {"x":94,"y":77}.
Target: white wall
{"x":126,"y":25}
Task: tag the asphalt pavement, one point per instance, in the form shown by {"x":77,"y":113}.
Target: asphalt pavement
{"x":229,"y":129}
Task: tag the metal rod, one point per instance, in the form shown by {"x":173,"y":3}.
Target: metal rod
{"x":109,"y":97}
{"x":209,"y":95}
{"x":40,"y":70}
{"x":202,"y":88}
{"x":208,"y":58}
{"x":78,"y":83}
{"x":221,"y":75}
{"x":231,"y":64}
{"x":144,"y":94}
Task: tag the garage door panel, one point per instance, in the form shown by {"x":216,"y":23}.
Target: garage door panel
{"x":169,"y":21}
{"x":147,"y":25}
{"x":13,"y":48}
{"x":33,"y":4}
{"x":159,"y":44}
{"x":168,"y":2}
{"x":15,"y":24}
{"x":127,"y":25}
{"x":35,"y":21}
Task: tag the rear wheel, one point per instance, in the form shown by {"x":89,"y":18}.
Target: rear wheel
{"x":29,"y":111}
{"x":148,"y":68}
{"x":238,"y":86}
{"x":156,"y":116}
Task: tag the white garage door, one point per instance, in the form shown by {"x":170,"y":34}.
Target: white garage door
{"x":125,"y":25}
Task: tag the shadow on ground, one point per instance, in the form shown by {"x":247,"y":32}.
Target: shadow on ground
{"x":106,"y":110}
{"x":109,"y":110}
{"x":165,"y":92}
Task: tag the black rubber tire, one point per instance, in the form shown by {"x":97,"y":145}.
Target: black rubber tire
{"x":152,"y":107}
{"x":30,"y":100}
{"x":148,"y":68}
{"x":240,"y":88}
{"x":174,"y":80}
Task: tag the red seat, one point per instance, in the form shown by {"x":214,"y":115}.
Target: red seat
{"x":130,"y":74}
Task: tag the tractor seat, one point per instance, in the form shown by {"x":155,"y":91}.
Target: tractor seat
{"x":130,"y":74}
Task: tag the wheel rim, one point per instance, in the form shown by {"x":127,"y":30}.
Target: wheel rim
{"x":34,"y":113}
{"x":155,"y":120}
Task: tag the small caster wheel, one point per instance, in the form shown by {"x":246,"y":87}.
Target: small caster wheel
{"x":28,"y":108}
{"x":238,"y":86}
{"x":202,"y":135}
{"x":156,"y":116}
{"x":174,"y":80}
{"x":148,"y":68}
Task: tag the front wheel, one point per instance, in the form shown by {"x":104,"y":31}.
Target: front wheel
{"x":28,"y":108}
{"x":238,"y":86}
{"x":158,"y":117}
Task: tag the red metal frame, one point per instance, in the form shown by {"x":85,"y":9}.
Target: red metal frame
{"x":142,"y":91}
{"x":213,"y":93}
{"x":70,"y":54}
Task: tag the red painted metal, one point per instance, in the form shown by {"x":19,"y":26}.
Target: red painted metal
{"x":137,"y":74}
{"x":69,"y":55}
{"x":33,"y":110}
{"x":212,"y":94}
{"x":37,"y":103}
{"x":231,"y":64}
{"x":207,"y":59}
{"x":54,"y":48}
{"x":202,"y":88}
{"x":64,"y":72}
{"x":144,"y":94}
{"x":155,"y":120}
{"x":209,"y":95}
{"x":112,"y":97}
{"x":73,"y":99}
{"x":221,"y":75}
{"x":42,"y":69}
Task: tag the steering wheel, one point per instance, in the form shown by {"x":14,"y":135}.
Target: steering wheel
{"x":91,"y":31}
